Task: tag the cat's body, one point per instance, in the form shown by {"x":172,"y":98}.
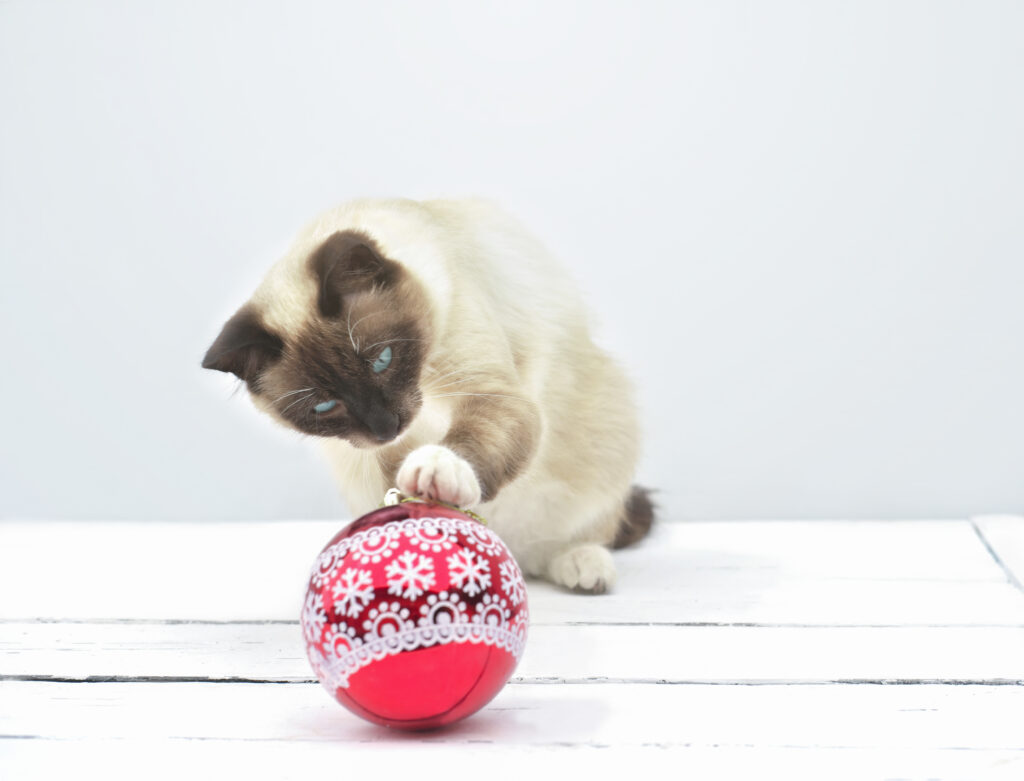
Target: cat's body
{"x":452,"y":357}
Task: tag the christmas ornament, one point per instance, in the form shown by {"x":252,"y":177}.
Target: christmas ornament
{"x":415,"y":615}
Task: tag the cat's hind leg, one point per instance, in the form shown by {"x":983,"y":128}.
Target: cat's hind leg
{"x":586,"y":567}
{"x":555,"y":536}
{"x":584,"y":562}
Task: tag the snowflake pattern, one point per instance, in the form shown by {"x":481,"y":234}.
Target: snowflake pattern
{"x":352,"y":592}
{"x":512,"y":582}
{"x":469,"y":571}
{"x":410,"y":575}
{"x":447,"y":580}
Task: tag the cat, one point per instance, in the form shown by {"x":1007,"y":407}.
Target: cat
{"x":437,"y":347}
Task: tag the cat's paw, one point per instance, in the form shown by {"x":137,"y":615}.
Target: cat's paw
{"x":588,"y":568}
{"x":435,"y":472}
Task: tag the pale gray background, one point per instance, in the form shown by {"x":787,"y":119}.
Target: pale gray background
{"x":800,"y":224}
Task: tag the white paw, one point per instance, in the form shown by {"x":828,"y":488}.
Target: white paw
{"x":587,"y":567}
{"x":435,"y":472}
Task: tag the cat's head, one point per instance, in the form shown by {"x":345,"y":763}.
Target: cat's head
{"x":334,"y":345}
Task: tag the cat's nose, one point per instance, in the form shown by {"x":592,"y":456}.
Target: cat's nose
{"x":384,"y":425}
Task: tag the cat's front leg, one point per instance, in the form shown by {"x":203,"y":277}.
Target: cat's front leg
{"x":490,"y":441}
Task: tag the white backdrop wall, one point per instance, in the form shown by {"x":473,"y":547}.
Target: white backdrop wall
{"x":800,"y":225}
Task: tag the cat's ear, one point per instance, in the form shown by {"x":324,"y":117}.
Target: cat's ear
{"x":244,"y":348}
{"x":347,"y":263}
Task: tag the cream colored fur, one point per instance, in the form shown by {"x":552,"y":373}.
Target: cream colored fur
{"x":501,"y":305}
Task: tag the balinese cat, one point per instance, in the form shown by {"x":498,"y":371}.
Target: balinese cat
{"x":437,"y":347}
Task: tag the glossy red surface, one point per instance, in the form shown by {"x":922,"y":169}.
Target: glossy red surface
{"x":415,"y":616}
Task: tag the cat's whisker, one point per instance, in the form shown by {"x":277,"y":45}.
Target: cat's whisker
{"x":463,"y":378}
{"x":451,"y":384}
{"x":352,"y":327}
{"x":431,"y":381}
{"x":436,"y":368}
{"x":491,"y":395}
{"x":390,"y":341}
{"x":348,"y":324}
{"x":446,"y":374}
{"x":290,"y":393}
{"x":301,"y":398}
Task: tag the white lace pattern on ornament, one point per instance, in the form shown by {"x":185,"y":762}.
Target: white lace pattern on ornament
{"x":344,"y":659}
{"x":361,"y":638}
{"x":427,"y":534}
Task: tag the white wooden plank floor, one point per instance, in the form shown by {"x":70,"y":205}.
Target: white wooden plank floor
{"x":819,"y":649}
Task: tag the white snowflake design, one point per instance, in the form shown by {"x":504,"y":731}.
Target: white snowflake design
{"x":352,"y":592}
{"x":314,"y":617}
{"x":468,"y":571}
{"x":414,"y":557}
{"x":410,"y":575}
{"x":512,"y":581}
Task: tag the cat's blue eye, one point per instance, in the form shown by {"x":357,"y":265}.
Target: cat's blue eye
{"x":383,"y":360}
{"x":326,"y":406}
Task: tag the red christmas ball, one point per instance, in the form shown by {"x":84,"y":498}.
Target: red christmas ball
{"x":415,"y":616}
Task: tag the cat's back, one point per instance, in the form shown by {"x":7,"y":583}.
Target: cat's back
{"x":469,"y":253}
{"x":468,"y":235}
{"x":500,"y":260}
{"x":502,"y":240}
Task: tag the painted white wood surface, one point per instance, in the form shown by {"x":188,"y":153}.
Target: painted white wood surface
{"x":855,"y":716}
{"x":274,"y":652}
{"x":819,"y":649}
{"x":833,"y":573}
{"x":1004,"y":536}
{"x":37,"y":760}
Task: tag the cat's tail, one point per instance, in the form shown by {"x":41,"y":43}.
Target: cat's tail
{"x":638,"y":520}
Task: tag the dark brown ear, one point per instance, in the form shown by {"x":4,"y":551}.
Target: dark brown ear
{"x":244,"y":346}
{"x":347,"y":262}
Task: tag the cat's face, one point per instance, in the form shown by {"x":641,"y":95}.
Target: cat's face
{"x":350,"y":365}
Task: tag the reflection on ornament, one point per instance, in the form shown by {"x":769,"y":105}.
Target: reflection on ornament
{"x":415,"y":616}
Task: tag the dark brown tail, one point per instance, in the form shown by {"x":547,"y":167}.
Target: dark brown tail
{"x":638,"y":520}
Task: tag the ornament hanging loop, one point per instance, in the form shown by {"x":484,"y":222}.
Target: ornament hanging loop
{"x":393,"y":497}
